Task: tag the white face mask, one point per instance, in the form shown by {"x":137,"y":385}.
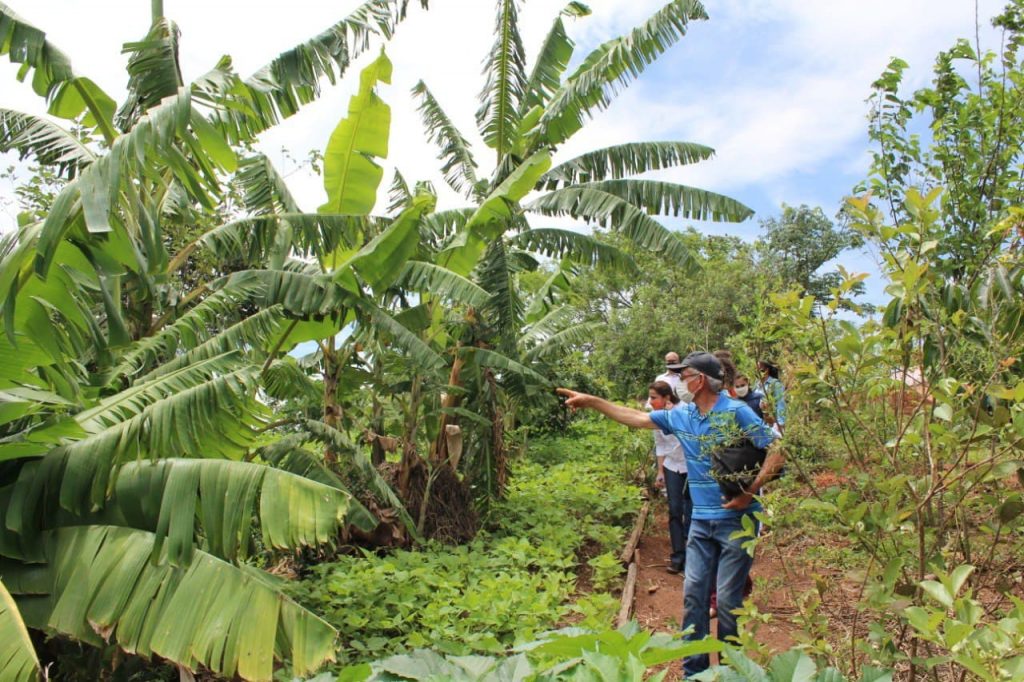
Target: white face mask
{"x":742,"y":391}
{"x":683,"y":391}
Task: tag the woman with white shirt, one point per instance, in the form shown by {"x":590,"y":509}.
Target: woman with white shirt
{"x":672,"y":476}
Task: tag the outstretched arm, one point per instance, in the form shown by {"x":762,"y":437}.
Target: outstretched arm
{"x":636,"y":419}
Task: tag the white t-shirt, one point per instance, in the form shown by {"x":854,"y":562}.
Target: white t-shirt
{"x":669,"y":447}
{"x":670,"y":378}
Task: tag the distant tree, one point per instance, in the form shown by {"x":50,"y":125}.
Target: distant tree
{"x":663,"y":307}
{"x":974,"y":112}
{"x":797,"y":243}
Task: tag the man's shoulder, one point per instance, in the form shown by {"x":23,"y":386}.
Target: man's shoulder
{"x":726,"y":403}
{"x":676,"y":415}
{"x":669,"y":378}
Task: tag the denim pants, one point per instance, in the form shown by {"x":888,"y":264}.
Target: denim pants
{"x":680,"y":506}
{"x":709,"y":547}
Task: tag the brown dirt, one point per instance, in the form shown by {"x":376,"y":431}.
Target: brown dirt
{"x":450,"y":515}
{"x":658,"y":605}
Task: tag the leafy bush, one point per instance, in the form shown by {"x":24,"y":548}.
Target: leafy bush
{"x":596,"y":438}
{"x":513,"y":582}
{"x":607,"y":570}
{"x":628,"y":655}
{"x":623,"y":654}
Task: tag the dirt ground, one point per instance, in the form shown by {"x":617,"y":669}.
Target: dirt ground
{"x":658,"y":604}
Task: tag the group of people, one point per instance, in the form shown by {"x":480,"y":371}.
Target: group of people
{"x":696,"y":405}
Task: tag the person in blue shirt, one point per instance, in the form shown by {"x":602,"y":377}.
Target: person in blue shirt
{"x":709,"y":420}
{"x":772,"y":387}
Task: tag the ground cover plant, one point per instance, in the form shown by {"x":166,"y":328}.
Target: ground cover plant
{"x":514,"y":581}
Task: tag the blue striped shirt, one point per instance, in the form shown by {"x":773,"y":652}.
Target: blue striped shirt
{"x":699,"y":434}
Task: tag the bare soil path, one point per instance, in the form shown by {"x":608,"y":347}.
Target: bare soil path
{"x":658,"y":604}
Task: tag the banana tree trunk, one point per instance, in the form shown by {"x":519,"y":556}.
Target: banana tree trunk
{"x":439,"y":451}
{"x":332,"y":410}
{"x":377,"y":455}
{"x":409,"y":454}
{"x":498,"y":449}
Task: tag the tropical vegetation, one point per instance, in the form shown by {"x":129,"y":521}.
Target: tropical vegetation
{"x":160,"y":436}
{"x":247,"y":439}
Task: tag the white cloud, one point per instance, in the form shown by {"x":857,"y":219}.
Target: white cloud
{"x":777,"y":86}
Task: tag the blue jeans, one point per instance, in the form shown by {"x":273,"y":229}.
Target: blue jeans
{"x":680,"y":506}
{"x":709,"y":547}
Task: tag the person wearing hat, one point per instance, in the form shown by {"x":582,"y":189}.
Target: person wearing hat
{"x":711,"y":419}
{"x":673,"y":366}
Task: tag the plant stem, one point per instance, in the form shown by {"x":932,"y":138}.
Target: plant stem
{"x":277,"y":346}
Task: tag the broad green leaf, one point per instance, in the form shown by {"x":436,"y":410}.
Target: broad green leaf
{"x":746,"y":668}
{"x":938,"y":592}
{"x":99,"y":581}
{"x":613,"y":65}
{"x":551,"y":61}
{"x":505,"y":69}
{"x":351,"y":176}
{"x":82,"y":95}
{"x":380,"y":262}
{"x":43,"y":140}
{"x":792,"y":666}
{"x":459,"y":167}
{"x":491,"y":218}
{"x":18,"y":662}
{"x":620,"y":161}
{"x":958,"y":577}
{"x":869,"y":674}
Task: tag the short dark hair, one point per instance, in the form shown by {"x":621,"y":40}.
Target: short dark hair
{"x":664,"y":390}
{"x":773,"y":371}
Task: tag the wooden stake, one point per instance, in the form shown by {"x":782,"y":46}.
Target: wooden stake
{"x":634,"y":537}
{"x":628,"y":592}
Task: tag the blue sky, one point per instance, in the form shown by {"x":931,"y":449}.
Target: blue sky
{"x":777,"y":87}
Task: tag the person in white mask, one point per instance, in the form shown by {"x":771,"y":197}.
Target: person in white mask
{"x":746,"y":393}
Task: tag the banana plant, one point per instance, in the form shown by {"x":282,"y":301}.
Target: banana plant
{"x":18,"y":661}
{"x":527,"y":111}
{"x":131,"y":395}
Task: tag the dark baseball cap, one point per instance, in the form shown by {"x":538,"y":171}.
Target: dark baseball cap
{"x":705,"y":363}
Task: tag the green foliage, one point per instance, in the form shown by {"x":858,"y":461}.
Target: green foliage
{"x":924,"y":406}
{"x":209,"y":613}
{"x":351,"y":176}
{"x":975,"y":120}
{"x":787,"y":667}
{"x":657,"y":306}
{"x":127,"y":338}
{"x":18,"y":662}
{"x":506,"y":587}
{"x":607,"y":570}
{"x":798,"y":243}
{"x":572,"y":654}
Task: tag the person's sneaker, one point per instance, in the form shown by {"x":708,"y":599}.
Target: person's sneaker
{"x":674,"y":568}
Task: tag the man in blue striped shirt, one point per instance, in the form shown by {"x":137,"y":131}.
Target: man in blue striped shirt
{"x":711,"y":419}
